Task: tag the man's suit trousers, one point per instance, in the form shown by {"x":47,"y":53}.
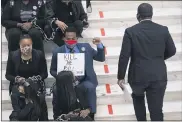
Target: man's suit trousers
{"x":154,"y":92}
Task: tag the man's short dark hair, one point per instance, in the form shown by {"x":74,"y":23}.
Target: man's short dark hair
{"x":70,"y":29}
{"x":145,"y":10}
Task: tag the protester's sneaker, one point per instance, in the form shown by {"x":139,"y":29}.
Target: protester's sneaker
{"x":89,"y":8}
{"x":85,"y":24}
{"x":92,"y":115}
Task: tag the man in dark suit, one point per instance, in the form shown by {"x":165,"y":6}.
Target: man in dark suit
{"x":149,"y":45}
{"x":88,"y":82}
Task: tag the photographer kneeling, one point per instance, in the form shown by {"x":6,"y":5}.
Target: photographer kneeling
{"x":27,"y":105}
{"x":27,"y":64}
{"x":68,"y":101}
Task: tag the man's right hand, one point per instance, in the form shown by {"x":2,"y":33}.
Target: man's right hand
{"x":61,"y":25}
{"x":121,"y":83}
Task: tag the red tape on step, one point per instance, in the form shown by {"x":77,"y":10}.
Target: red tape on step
{"x":101,"y":14}
{"x":106,"y":69}
{"x":105,"y":50}
{"x":102,"y":32}
{"x":110,"y":110}
{"x":108,"y":89}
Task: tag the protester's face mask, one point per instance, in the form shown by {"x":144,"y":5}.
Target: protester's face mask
{"x":70,"y":39}
{"x":26,"y":50}
{"x":70,"y":43}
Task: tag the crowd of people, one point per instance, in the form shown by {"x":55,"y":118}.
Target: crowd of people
{"x":29,"y":22}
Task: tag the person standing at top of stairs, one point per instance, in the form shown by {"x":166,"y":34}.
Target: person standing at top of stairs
{"x":149,"y":45}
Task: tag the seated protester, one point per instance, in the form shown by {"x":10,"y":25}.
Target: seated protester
{"x":27,"y":106}
{"x":17,"y":19}
{"x":67,"y":100}
{"x":88,"y":82}
{"x":63,"y":14}
{"x":27,"y":63}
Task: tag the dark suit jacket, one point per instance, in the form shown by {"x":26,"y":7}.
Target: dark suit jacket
{"x":14,"y":60}
{"x":90,"y":54}
{"x":148,"y":44}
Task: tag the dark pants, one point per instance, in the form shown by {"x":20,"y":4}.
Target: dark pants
{"x":13,"y":37}
{"x":58,"y":39}
{"x":155,"y":91}
{"x":89,"y":91}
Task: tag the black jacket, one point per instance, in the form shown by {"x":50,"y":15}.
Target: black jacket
{"x":149,"y":45}
{"x":26,"y":112}
{"x":38,"y":60}
{"x":11,"y":14}
{"x":78,"y":10}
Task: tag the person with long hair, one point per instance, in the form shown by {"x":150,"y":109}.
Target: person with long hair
{"x":67,"y":97}
{"x":26,"y":105}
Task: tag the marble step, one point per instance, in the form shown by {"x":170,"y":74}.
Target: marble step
{"x":174,"y":69}
{"x":112,"y":55}
{"x":108,"y":35}
{"x":130,"y":5}
{"x":114,"y":24}
{"x":172,"y":111}
{"x":107,"y":15}
{"x":104,"y":92}
{"x":174,"y":20}
{"x":110,"y":94}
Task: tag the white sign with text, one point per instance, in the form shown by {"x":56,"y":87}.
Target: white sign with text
{"x":74,"y":62}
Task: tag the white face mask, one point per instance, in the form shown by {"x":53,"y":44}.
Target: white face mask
{"x":26,"y":50}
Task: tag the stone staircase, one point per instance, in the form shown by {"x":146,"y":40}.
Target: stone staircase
{"x":108,"y":21}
